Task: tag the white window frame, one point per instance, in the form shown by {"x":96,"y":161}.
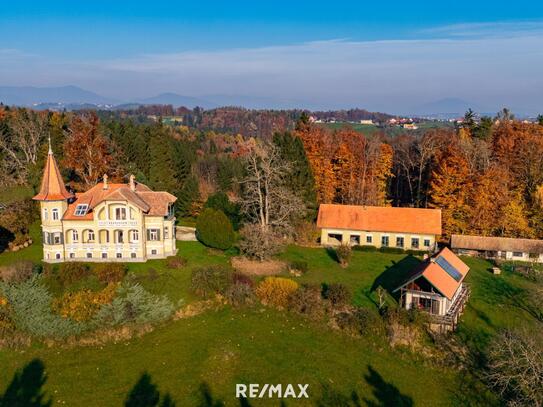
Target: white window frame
{"x":45,"y":214}
{"x":81,"y":210}
{"x":418,"y":242}
{"x":75,"y":236}
{"x":120,"y":213}
{"x":54,"y":214}
{"x":57,"y":238}
{"x":387,"y":237}
{"x":91,"y":236}
{"x":426,"y":240}
{"x":154,"y":235}
{"x":403,"y":241}
{"x":166,"y":232}
{"x":369,"y":239}
{"x":154,"y":252}
{"x":134,"y":235}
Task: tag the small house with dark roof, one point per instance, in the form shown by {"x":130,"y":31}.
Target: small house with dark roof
{"x":500,"y":248}
{"x":436,"y":286}
{"x":109,"y":222}
{"x":379,"y":226}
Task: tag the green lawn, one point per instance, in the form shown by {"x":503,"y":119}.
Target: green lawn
{"x":258,"y":345}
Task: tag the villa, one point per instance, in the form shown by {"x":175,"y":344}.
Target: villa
{"x":109,"y":222}
{"x":405,"y":228}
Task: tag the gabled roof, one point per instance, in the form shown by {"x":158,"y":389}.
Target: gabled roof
{"x":150,"y":202}
{"x":52,"y":186}
{"x":380,"y":219}
{"x":435,"y":271}
{"x":487,"y":243}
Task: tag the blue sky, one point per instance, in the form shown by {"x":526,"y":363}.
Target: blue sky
{"x":389,"y":56}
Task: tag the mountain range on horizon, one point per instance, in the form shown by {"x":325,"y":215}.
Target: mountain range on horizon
{"x":73,"y":97}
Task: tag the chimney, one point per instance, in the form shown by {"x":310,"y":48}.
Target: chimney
{"x":104,"y":180}
{"x":132,"y":182}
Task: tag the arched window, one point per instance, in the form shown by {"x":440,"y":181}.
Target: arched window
{"x":103,"y":236}
{"x":119,"y":236}
{"x":134,"y":235}
{"x":55,"y":214}
{"x":75,"y":236}
{"x":90,"y":236}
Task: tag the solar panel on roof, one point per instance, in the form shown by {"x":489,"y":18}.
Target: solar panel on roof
{"x":445,"y":265}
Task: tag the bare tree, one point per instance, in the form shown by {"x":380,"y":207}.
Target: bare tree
{"x":516,"y":368}
{"x":267,"y":199}
{"x":21,"y":141}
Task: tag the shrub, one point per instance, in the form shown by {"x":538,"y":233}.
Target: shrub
{"x":240,"y":278}
{"x":82,"y":305}
{"x":31,"y":312}
{"x":220,"y":202}
{"x":276,"y":291}
{"x":413,"y":252}
{"x":70,"y":273}
{"x":18,"y":272}
{"x":338,"y":294}
{"x":259,"y":243}
{"x":307,"y":300}
{"x":239,"y":294}
{"x":15,"y":221}
{"x":134,"y":305}
{"x":343,"y":254}
{"x":299,"y":266}
{"x":391,"y":250}
{"x":176,"y":263}
{"x":360,"y":321}
{"x":110,"y":272}
{"x":214,"y":229}
{"x":210,"y":280}
{"x":307,"y":233}
{"x":365,"y":248}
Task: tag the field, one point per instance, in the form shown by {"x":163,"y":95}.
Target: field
{"x":198,"y":360}
{"x":370,"y":129}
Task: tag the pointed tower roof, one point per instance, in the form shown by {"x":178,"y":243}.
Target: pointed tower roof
{"x":52,"y":185}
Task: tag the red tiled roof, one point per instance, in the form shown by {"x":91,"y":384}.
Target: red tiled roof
{"x":150,"y":202}
{"x":438,"y":276}
{"x":52,"y":186}
{"x":380,"y":219}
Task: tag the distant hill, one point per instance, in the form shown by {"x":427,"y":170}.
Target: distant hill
{"x":177,"y":100}
{"x":64,"y":95}
{"x":447,"y":107}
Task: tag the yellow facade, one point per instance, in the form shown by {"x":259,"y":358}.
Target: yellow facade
{"x":407,"y":241}
{"x":134,"y":237}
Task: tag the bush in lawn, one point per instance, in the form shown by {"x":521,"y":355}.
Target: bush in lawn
{"x":17,"y":272}
{"x":413,"y":252}
{"x":391,"y":250}
{"x":259,"y":243}
{"x":365,"y":248}
{"x":110,"y":272}
{"x":239,"y":294}
{"x":30,"y":310}
{"x":359,"y":321}
{"x":299,"y":266}
{"x":133,"y":304}
{"x":220,"y":202}
{"x":176,"y":263}
{"x":211,"y":280}
{"x":240,"y":278}
{"x":214,"y":229}
{"x":343,"y":254}
{"x":276,"y":291}
{"x":82,"y":305}
{"x":338,"y":294}
{"x":307,"y":300}
{"x":70,"y":273}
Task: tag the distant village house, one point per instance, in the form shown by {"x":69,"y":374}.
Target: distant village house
{"x":406,"y":228}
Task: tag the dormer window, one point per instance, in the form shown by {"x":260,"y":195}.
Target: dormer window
{"x":81,"y":210}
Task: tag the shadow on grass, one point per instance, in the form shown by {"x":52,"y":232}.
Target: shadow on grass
{"x":26,"y":386}
{"x":331,"y":252}
{"x":145,"y":394}
{"x":385,"y":394}
{"x":395,"y":274}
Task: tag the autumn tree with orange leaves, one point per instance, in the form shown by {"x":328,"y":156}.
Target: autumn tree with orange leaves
{"x":87,"y":151}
